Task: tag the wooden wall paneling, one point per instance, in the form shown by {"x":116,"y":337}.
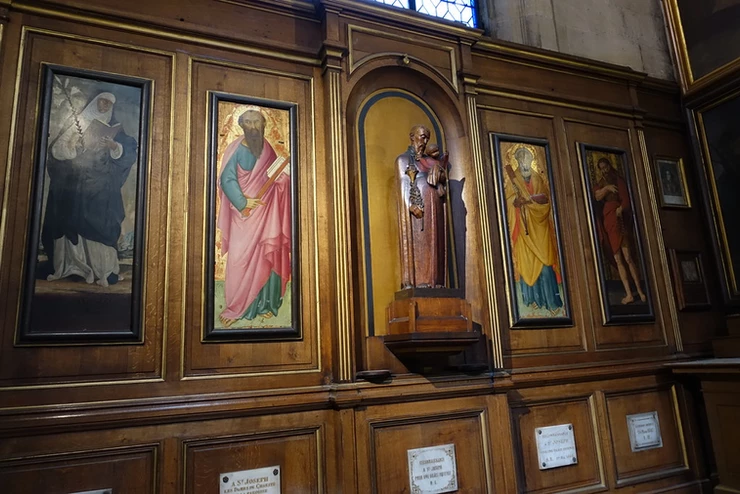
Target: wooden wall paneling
{"x":651,"y":464}
{"x":548,"y":341}
{"x":186,"y":456}
{"x":128,"y":470}
{"x":722,"y":402}
{"x":79,"y":363}
{"x":697,"y":328}
{"x":267,"y":30}
{"x":587,"y":475}
{"x":651,"y":334}
{"x":509,"y":71}
{"x":221,"y":358}
{"x":386,"y":432}
{"x":295,"y":455}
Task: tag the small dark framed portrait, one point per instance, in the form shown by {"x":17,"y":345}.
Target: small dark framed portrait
{"x":535,"y":267}
{"x":85,"y":253}
{"x":616,"y":235}
{"x":692,"y":292}
{"x":672,"y":183}
{"x":252,"y":235}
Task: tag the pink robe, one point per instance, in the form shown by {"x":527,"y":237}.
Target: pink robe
{"x":257,"y":244}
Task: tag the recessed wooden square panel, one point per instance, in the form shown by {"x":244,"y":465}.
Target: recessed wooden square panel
{"x":588,"y":472}
{"x":632,"y":467}
{"x":389,"y":439}
{"x":295,"y":452}
{"x":126,"y":471}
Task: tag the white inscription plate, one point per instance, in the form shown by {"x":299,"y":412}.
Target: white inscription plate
{"x":257,"y":481}
{"x":97,"y":491}
{"x":556,"y":446}
{"x":432,"y":470}
{"x":644,"y":430}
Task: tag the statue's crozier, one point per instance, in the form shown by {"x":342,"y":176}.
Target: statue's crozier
{"x":422,"y":216}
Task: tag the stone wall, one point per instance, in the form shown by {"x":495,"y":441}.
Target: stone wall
{"x":623,"y":32}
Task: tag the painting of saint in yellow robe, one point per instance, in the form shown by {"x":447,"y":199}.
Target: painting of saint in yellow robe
{"x":535,"y":262}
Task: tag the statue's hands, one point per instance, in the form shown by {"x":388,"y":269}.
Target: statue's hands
{"x":416,"y":211}
{"x":519,"y":202}
{"x":612,"y":188}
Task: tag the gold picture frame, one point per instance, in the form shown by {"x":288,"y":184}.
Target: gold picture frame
{"x":671,"y":178}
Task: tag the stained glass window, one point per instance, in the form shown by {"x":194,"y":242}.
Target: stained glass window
{"x":453,"y":10}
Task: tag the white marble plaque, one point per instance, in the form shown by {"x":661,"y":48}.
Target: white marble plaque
{"x":644,"y":430}
{"x":556,"y":446}
{"x":432,"y":470}
{"x":97,"y":491}
{"x":257,"y":481}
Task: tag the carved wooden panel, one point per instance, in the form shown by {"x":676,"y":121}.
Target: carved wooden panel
{"x":546,"y":341}
{"x":386,"y":433}
{"x":366,"y":43}
{"x":125,"y":470}
{"x":29,"y":365}
{"x":212,"y":358}
{"x":648,"y":464}
{"x":621,"y":335}
{"x":585,"y":475}
{"x":297,"y":455}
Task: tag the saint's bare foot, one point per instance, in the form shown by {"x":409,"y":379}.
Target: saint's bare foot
{"x":226,"y":321}
{"x":642,"y":296}
{"x":628,"y":299}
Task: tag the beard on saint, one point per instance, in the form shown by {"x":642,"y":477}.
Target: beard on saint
{"x":255,"y":141}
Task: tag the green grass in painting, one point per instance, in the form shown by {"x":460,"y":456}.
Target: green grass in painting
{"x":282,"y":320}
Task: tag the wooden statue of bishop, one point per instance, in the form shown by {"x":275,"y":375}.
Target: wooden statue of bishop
{"x":422,"y":216}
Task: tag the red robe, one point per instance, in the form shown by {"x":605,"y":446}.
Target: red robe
{"x":613,"y":230}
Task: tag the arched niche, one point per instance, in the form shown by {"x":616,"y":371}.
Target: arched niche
{"x":384,"y":104}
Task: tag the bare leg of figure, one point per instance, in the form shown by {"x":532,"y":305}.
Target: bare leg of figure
{"x":623,"y":276}
{"x":633,"y":271}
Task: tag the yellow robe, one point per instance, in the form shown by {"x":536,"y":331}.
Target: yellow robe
{"x":535,"y":248}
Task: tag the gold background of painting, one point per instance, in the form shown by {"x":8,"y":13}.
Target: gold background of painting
{"x":277,"y":132}
{"x":387,"y":126}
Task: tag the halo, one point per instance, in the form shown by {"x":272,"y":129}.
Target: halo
{"x":511,"y":153}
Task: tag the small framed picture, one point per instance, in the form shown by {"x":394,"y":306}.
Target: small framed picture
{"x":690,"y":285}
{"x":672,"y":183}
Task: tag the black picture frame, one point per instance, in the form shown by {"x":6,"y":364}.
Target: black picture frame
{"x":615,"y":312}
{"x":211,"y":333}
{"x":517,"y":320}
{"x":689,"y":280}
{"x":101,"y":317}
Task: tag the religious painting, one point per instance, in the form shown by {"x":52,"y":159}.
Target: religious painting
{"x":537,"y":288}
{"x":251,"y":244}
{"x":624,"y":289}
{"x":672,"y":183}
{"x":85,"y":245}
{"x":692,"y":292}
{"x":708,"y":37}
{"x":720,"y":138}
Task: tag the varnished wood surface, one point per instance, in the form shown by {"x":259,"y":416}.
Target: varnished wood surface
{"x":170,"y":414}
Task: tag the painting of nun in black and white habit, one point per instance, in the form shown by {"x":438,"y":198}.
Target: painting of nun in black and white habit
{"x":87,"y":210}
